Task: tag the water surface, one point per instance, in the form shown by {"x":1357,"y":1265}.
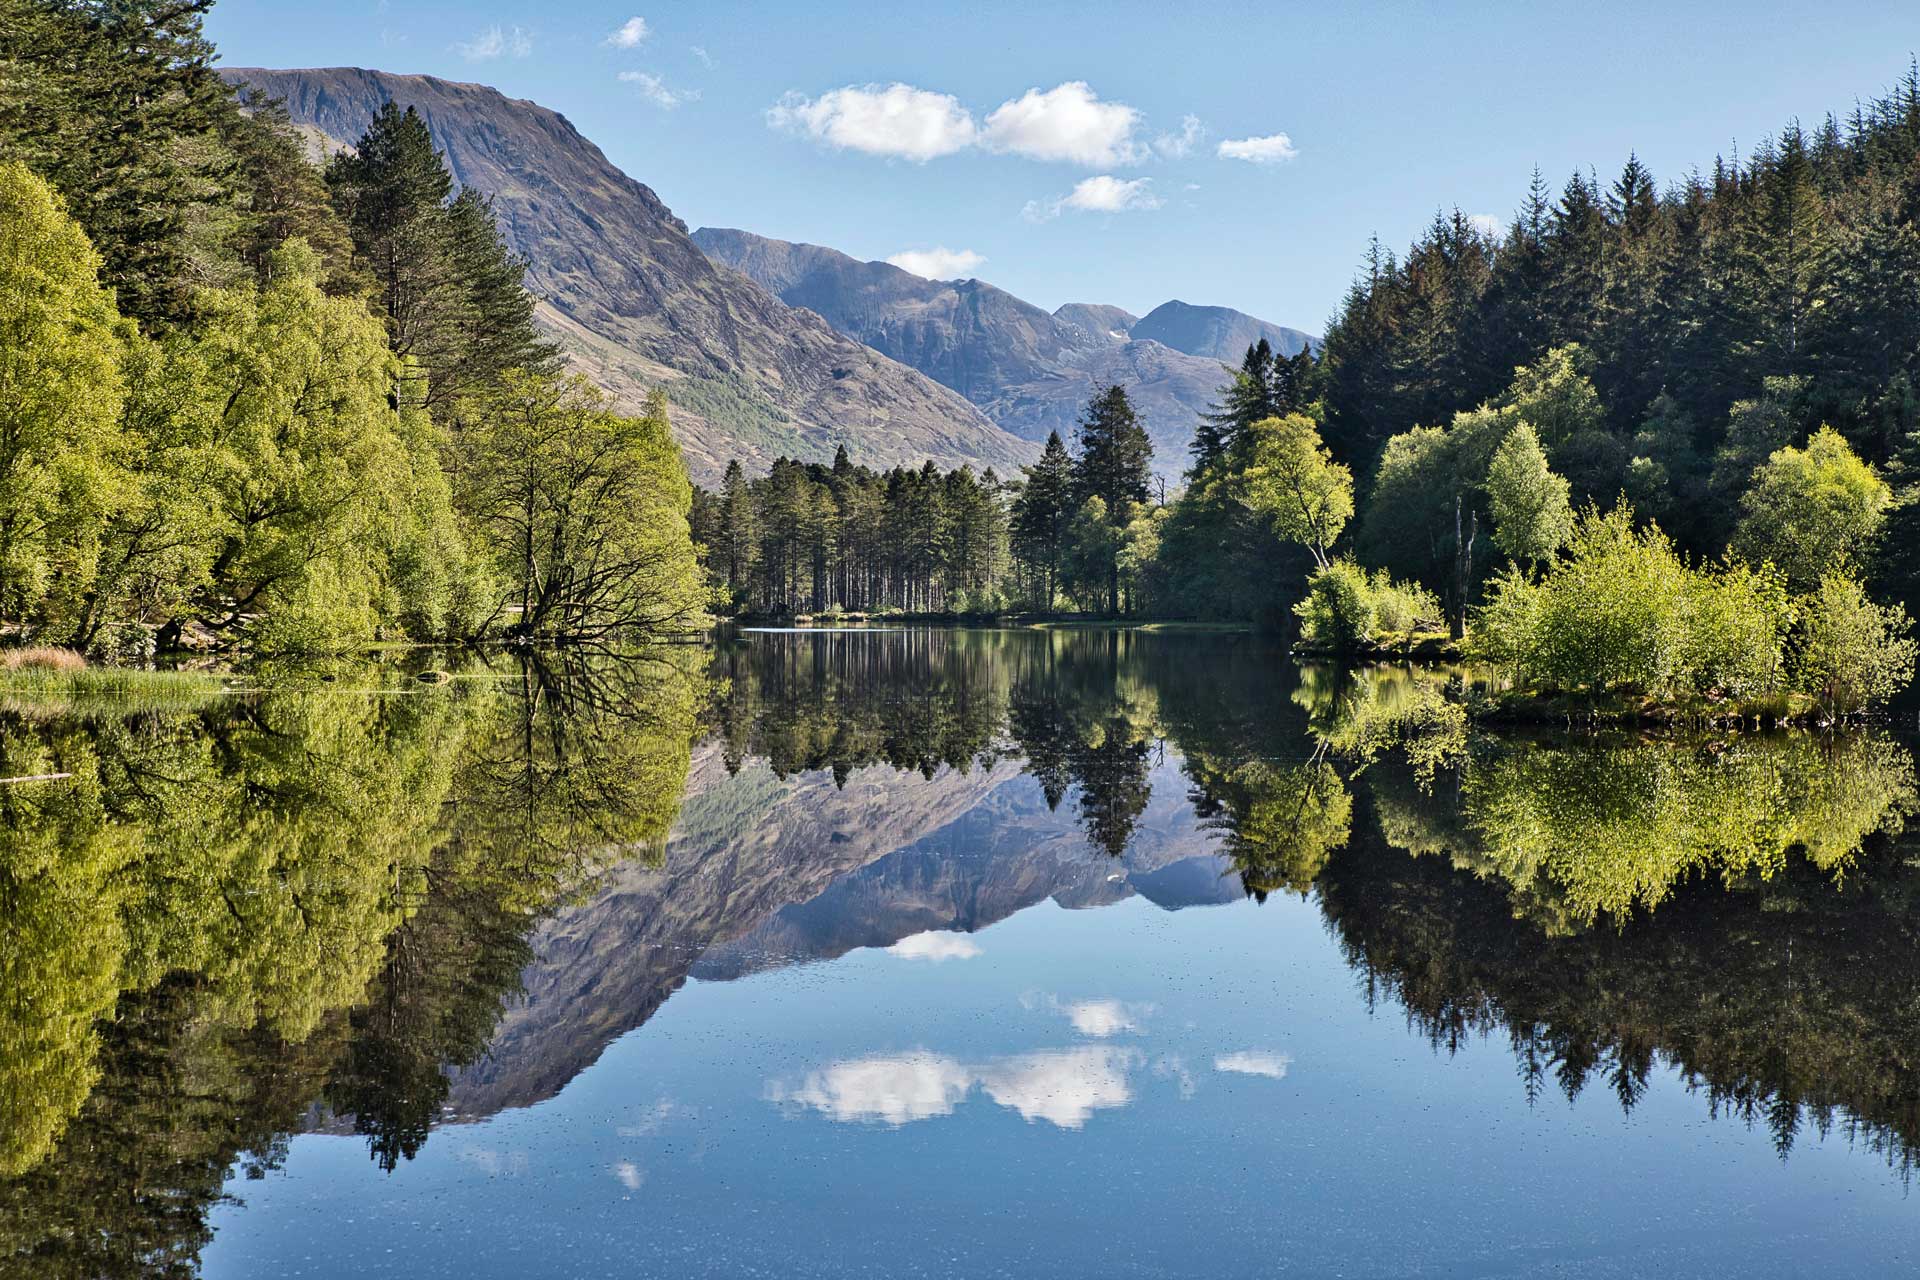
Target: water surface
{"x":936,"y":952}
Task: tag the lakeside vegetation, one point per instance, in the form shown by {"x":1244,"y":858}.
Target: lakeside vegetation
{"x":1645,"y":451}
{"x":254,"y":405}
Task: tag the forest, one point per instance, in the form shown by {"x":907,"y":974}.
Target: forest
{"x":251,"y":402}
{"x":1697,"y":399}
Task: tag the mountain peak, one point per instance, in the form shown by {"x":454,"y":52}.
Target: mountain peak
{"x":636,"y":304}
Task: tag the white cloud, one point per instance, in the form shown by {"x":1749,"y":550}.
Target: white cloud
{"x":629,"y":35}
{"x":1064,"y":1086}
{"x":1067,"y":123}
{"x":1104,"y":194}
{"x":1105,"y":1017}
{"x":700,"y":54}
{"x":1061,"y":1086}
{"x":494,"y":41}
{"x":938,"y":264}
{"x":1486,"y":224}
{"x":1271,"y":149}
{"x":893,"y":1090}
{"x":933,"y":946}
{"x":882,"y":120}
{"x":655,"y":90}
{"x":1177,"y":146}
{"x":630,"y":1175}
{"x":1254,"y":1062}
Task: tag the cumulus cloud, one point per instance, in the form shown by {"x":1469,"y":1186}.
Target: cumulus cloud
{"x":1254,"y":1062}
{"x":1177,"y":146}
{"x":628,"y":35}
{"x":629,"y":1174}
{"x":1486,"y":224}
{"x":1066,"y":123}
{"x":934,"y":946}
{"x":1104,"y":194}
{"x":882,"y":120}
{"x":1271,"y":149}
{"x":1105,"y":1017}
{"x":1063,"y":1087}
{"x":656,"y":90}
{"x":891,"y":1090}
{"x":494,"y":41}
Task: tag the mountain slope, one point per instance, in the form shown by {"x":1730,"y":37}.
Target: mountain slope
{"x":1218,"y":333}
{"x":1030,"y":371}
{"x":635,"y":303}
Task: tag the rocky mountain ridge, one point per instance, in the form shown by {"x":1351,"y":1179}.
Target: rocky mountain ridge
{"x":635,"y":303}
{"x":1029,"y":370}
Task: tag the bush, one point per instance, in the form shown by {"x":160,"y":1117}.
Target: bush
{"x":1852,"y":652}
{"x":1338,"y":609}
{"x":1403,"y":606}
{"x":1624,"y":612}
{"x":1345,"y":608}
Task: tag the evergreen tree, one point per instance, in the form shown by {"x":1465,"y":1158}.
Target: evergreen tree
{"x":1041,"y":514}
{"x":1113,"y":465}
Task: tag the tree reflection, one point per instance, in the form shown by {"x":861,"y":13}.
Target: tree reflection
{"x":226,"y":916}
{"x":1783,"y":998}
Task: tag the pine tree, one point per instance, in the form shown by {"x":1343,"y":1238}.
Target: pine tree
{"x":1041,"y":514}
{"x":1113,"y":466}
{"x":392,"y":190}
{"x":1253,"y":394}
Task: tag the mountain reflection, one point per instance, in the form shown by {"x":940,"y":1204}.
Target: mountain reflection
{"x":380,"y":912}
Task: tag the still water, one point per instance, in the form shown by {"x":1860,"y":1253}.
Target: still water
{"x":946,"y":953}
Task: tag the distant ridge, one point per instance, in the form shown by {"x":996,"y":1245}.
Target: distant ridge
{"x":1028,"y":370}
{"x":635,"y":303}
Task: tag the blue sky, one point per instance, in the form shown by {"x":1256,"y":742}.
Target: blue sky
{"x":1052,"y":142}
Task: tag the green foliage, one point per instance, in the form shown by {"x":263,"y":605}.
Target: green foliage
{"x":1531,"y":516}
{"x":1292,"y":480}
{"x":582,"y":512}
{"x":119,"y":108}
{"x":1852,"y":653}
{"x":1338,"y":611}
{"x":1582,"y":830}
{"x":1042,"y":512}
{"x":61,"y":388}
{"x":1346,"y":608}
{"x":1622,"y":611}
{"x":1814,"y":511}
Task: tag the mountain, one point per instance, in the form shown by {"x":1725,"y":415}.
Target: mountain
{"x":1028,"y":370}
{"x":964,"y":334}
{"x":1219,"y":333}
{"x":635,"y":303}
{"x":1099,"y":322}
{"x":763,"y":871}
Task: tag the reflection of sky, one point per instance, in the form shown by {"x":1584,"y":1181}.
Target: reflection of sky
{"x":872,"y":1118}
{"x":935,"y":947}
{"x":1061,"y":1086}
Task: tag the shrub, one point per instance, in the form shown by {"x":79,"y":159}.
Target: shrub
{"x":1624,"y":611}
{"x":1338,"y":609}
{"x":1852,"y":652}
{"x":1402,"y":606}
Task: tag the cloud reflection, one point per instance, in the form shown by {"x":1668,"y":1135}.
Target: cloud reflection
{"x":1254,"y":1062}
{"x":1063,"y":1087}
{"x":935,"y":947}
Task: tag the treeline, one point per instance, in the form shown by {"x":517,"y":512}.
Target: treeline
{"x":248,"y":402}
{"x":815,"y":539}
{"x":1717,"y":320}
